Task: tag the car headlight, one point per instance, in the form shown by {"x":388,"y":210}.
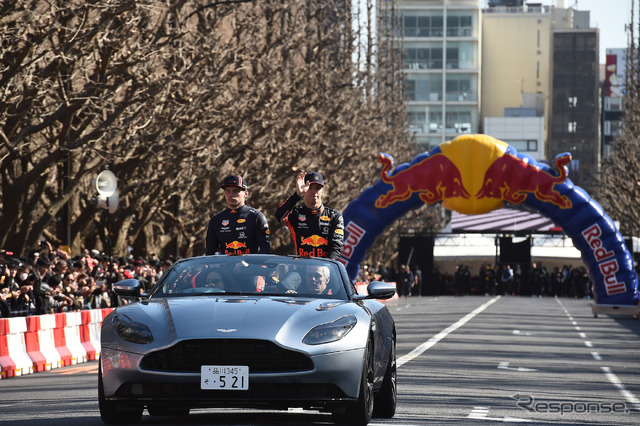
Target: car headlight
{"x":330,"y":332}
{"x":132,"y":331}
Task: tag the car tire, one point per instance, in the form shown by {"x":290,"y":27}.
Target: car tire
{"x":361,"y":411}
{"x":113,"y":413}
{"x":386,"y":399}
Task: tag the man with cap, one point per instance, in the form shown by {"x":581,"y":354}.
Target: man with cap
{"x":238,"y":229}
{"x":317,"y":230}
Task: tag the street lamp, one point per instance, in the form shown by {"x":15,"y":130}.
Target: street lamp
{"x":106,"y":184}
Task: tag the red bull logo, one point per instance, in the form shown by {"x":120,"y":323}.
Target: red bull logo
{"x":512,"y":179}
{"x":434,"y":178}
{"x":314,"y":241}
{"x":478,"y":165}
{"x":235,"y":245}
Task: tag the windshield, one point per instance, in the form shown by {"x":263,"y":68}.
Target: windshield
{"x":257,"y":275}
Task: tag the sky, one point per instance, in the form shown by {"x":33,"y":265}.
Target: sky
{"x":610,"y":16}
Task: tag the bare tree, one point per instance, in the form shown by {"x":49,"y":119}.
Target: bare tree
{"x":618,"y":184}
{"x":173,"y":96}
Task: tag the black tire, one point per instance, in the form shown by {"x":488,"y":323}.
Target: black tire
{"x":156,"y":410}
{"x":361,"y":411}
{"x":113,"y":413}
{"x":386,"y":399}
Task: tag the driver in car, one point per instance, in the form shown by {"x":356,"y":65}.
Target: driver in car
{"x":317,"y":279}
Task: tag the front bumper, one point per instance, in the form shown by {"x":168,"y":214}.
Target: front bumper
{"x":335,"y":378}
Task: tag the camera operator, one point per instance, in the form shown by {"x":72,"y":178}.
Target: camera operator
{"x":58,"y":301}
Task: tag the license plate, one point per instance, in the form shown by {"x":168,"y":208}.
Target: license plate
{"x":226,"y":377}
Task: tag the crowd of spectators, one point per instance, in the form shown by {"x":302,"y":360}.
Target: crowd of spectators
{"x":51,"y":280}
{"x":517,"y":280}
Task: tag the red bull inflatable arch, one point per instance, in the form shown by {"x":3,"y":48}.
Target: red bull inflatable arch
{"x":475,"y":174}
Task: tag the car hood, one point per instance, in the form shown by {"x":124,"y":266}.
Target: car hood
{"x":285,"y":320}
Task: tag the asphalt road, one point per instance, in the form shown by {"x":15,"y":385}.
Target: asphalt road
{"x":462,"y":360}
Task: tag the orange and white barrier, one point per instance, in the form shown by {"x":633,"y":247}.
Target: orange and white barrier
{"x":42,"y":342}
{"x":14,"y":360}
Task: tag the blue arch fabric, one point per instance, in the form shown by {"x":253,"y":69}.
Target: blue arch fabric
{"x":603,"y":249}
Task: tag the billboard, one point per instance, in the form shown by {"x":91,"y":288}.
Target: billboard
{"x":614,"y":81}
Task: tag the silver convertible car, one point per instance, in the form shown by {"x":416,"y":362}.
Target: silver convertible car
{"x":256,"y":331}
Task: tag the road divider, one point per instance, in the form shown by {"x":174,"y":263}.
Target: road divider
{"x":43,"y":342}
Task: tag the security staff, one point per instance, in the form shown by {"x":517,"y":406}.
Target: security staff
{"x":238,"y":229}
{"x":317,"y":230}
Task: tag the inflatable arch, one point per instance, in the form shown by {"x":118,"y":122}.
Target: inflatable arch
{"x":475,"y":174}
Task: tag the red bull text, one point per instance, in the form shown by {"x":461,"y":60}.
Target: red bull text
{"x":318,"y":245}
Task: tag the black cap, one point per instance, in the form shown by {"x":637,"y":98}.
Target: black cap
{"x":43,"y":261}
{"x":313,"y":177}
{"x":234,"y":180}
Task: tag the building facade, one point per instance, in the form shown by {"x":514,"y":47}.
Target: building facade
{"x":442,"y":68}
{"x":574,"y":114}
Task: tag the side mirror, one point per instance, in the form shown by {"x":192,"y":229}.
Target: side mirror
{"x":128,"y":288}
{"x":378,"y":290}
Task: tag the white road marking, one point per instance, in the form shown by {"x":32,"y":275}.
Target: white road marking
{"x":618,"y":384}
{"x":482,"y":413}
{"x":505,"y":366}
{"x":596,"y":356}
{"x":435,"y":339}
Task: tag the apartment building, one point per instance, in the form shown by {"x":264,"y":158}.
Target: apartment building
{"x":442,"y":65}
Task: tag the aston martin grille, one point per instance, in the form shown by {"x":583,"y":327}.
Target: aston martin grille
{"x":260,"y":355}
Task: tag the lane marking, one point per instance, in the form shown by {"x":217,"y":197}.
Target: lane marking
{"x":505,"y":366}
{"x":482,"y":413}
{"x":618,"y":384}
{"x":526,"y":333}
{"x":435,"y":339}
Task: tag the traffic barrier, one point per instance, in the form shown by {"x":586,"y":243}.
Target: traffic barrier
{"x":32,"y":342}
{"x":42,"y":342}
{"x":47,"y":340}
{"x":72,"y":337}
{"x":14,"y":358}
{"x":60,"y":339}
{"x":90,"y":331}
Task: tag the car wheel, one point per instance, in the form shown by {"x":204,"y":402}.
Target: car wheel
{"x":113,"y":412}
{"x":385,"y":401}
{"x":156,"y":410}
{"x":360,"y":412}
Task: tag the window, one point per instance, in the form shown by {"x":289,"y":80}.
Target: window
{"x":613,"y":104}
{"x":522,"y":145}
{"x":572,"y":127}
{"x":573,"y":101}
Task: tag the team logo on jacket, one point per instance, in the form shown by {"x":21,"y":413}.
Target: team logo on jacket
{"x":314,"y":241}
{"x":236,"y":245}
{"x":242,"y":220}
{"x":325,"y":218}
{"x":302,"y":217}
{"x":225,"y":222}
